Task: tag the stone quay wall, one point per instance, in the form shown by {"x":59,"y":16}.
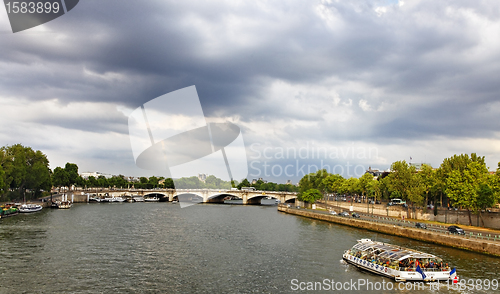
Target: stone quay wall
{"x":482,"y":246}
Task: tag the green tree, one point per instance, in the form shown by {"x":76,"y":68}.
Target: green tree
{"x":494,"y":182}
{"x":374,"y":190}
{"x":333,"y":183}
{"x":350,"y":186}
{"x":80,"y":182}
{"x":60,"y":178}
{"x":405,"y":182}
{"x":365,"y":182}
{"x":118,"y":181}
{"x":310,"y":195}
{"x":188,"y":183}
{"x":459,"y":162}
{"x":466,"y":187}
{"x":38,"y":176}
{"x":92,"y":182}
{"x":3,"y":185}
{"x":485,"y":199}
{"x":102,"y":182}
{"x":428,"y":180}
{"x":25,"y":169}
{"x":153,"y":182}
{"x":169,"y":183}
{"x":314,"y":181}
{"x":244,"y":183}
{"x":384,"y":184}
{"x":72,"y":171}
{"x":213,"y":182}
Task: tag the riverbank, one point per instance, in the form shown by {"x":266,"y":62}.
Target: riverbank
{"x":482,"y":246}
{"x":491,"y":218}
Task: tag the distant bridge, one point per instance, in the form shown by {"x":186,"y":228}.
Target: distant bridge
{"x":208,"y":195}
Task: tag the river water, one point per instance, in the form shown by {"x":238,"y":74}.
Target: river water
{"x":161,"y":248}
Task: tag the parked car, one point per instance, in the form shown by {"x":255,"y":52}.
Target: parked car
{"x":421,"y":226}
{"x":456,"y":230}
{"x":397,"y":201}
{"x":344,"y":214}
{"x":332,"y":212}
{"x":355,"y":215}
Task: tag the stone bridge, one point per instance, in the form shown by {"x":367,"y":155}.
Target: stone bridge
{"x":206,"y":195}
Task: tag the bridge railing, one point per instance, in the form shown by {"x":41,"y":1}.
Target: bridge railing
{"x":199,"y":190}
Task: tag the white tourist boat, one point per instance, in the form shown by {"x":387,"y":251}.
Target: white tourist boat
{"x":399,"y":263}
{"x":28,"y":208}
{"x":64,"y":203}
{"x":233,"y":200}
{"x":113,"y":199}
{"x":151,"y":199}
{"x":138,"y":198}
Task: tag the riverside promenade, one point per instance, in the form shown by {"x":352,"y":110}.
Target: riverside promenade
{"x":491,"y":247}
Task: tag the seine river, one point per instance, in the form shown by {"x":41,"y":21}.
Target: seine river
{"x":161,"y":248}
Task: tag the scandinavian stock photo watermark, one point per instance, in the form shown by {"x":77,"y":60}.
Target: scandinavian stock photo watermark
{"x":24,"y":15}
{"x":276,"y":161}
{"x":367,"y":285}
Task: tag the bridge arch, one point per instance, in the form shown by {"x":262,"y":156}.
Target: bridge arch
{"x":257,"y":199}
{"x":186,"y":196}
{"x":219,"y":197}
{"x":162,"y":196}
{"x":155,"y":194}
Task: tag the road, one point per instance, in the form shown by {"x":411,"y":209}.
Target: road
{"x":478,"y":233}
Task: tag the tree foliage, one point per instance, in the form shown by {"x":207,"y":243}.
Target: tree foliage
{"x":365,"y":183}
{"x":314,"y":181}
{"x":72,"y":171}
{"x":60,"y":177}
{"x":406,"y":183}
{"x":310,"y":195}
{"x":24,"y":169}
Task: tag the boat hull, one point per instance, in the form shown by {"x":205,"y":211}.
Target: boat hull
{"x":397,"y":275}
{"x":235,"y":201}
{"x":30,"y":208}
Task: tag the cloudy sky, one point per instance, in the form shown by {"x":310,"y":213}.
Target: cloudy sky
{"x":350,"y":84}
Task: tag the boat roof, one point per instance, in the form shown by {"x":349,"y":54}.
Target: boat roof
{"x":390,"y":251}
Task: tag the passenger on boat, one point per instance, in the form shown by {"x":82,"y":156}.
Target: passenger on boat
{"x":403,"y":264}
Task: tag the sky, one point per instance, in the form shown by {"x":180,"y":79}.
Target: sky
{"x":344,"y":85}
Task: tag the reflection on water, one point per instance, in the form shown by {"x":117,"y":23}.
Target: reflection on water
{"x":158,"y":247}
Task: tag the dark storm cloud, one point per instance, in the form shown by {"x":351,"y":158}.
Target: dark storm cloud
{"x":422,"y":56}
